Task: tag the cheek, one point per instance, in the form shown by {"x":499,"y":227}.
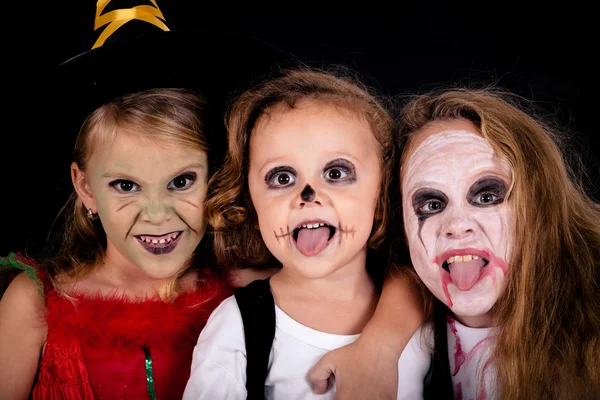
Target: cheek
{"x":496,"y":226}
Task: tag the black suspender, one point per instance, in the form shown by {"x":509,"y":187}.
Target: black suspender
{"x":258,"y":315}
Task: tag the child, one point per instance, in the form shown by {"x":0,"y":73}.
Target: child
{"x":508,"y":243}
{"x":116,"y":312}
{"x":317,"y":152}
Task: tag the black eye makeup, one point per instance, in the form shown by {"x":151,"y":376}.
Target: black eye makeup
{"x":487,"y":191}
{"x":124,"y":186}
{"x":339,"y":171}
{"x":427,"y":202}
{"x":183,"y":181}
{"x":280,"y":177}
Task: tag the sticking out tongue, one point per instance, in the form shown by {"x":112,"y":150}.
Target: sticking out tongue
{"x":466,"y":274}
{"x":312,"y":241}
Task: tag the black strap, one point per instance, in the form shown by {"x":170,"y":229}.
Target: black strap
{"x":258,"y":315}
{"x":440,"y":385}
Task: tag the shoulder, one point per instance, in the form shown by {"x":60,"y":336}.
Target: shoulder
{"x":23,"y":294}
{"x":224,"y":326}
{"x":219,"y":356}
{"x":417,"y":354}
{"x":414,"y":363}
{"x":22,"y":312}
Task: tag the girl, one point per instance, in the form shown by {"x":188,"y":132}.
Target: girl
{"x":116,"y":312}
{"x":317,"y":152}
{"x":508,"y":243}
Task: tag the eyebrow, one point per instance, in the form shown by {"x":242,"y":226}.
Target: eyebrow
{"x":339,"y":156}
{"x":117,"y":174}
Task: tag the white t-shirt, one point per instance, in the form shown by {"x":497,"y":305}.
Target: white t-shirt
{"x":219,"y":360}
{"x":469,"y":353}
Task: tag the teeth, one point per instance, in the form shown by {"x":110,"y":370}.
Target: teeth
{"x":161,"y":241}
{"x":466,"y":258}
{"x":313,"y":226}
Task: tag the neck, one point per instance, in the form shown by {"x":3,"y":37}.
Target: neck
{"x":117,"y":273}
{"x":341,"y":302}
{"x":480,"y":321}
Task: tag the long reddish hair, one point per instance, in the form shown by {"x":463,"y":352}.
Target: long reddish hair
{"x":548,"y":318}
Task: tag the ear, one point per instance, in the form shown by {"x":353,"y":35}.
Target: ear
{"x":82,"y":187}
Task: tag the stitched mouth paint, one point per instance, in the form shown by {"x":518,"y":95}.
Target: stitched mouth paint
{"x":312,"y":237}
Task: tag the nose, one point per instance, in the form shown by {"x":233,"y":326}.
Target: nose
{"x":308,"y":196}
{"x":157,"y":211}
{"x":459,"y":227}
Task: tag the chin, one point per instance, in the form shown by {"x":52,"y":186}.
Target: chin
{"x":472,"y":309}
{"x":162,"y":270}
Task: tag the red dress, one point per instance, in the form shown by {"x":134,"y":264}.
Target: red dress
{"x":101,"y":347}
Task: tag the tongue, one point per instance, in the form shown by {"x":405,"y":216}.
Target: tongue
{"x":466,"y":274}
{"x":312,"y":241}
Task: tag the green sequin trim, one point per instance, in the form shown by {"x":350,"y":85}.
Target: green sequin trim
{"x":9,"y":262}
{"x":149,"y":376}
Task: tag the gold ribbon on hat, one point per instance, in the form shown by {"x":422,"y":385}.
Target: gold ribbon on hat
{"x":117,"y":18}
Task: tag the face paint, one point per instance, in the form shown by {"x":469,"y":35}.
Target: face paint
{"x":458,"y":225}
{"x":308,"y":194}
{"x":311,"y":168}
{"x":150,"y":201}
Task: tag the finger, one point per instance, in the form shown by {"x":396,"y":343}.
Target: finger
{"x":320,"y":374}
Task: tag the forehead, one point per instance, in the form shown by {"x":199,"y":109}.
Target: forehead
{"x":313,"y":125}
{"x":131,"y":150}
{"x":451,"y":151}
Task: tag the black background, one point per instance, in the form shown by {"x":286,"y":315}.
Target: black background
{"x":541,"y":51}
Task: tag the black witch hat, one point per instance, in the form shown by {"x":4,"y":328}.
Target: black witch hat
{"x":132,"y":46}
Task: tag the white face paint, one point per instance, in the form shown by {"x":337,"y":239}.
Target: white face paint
{"x":314,"y":181}
{"x":458,"y":225}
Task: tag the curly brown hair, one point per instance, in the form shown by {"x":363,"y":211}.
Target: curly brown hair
{"x":548,"y":318}
{"x":237,"y":241}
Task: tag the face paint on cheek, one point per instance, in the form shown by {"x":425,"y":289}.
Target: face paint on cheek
{"x":446,"y":279}
{"x":423,"y":201}
{"x":284,"y":235}
{"x":135,"y":220}
{"x":345,"y":231}
{"x":125,"y":205}
{"x":421,"y":219}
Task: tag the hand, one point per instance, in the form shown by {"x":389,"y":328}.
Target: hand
{"x":362,"y":370}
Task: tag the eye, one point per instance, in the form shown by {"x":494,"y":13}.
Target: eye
{"x":336,"y":173}
{"x":339,"y":171}
{"x":431,"y":207}
{"x":487,"y":191}
{"x":283,"y":179}
{"x":182,"y":182}
{"x":280,"y":178}
{"x":124,"y":186}
{"x":486,"y":198}
{"x":427,"y":202}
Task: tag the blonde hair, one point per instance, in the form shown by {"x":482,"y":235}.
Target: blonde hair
{"x":229,"y":208}
{"x":175,"y":116}
{"x":548,"y":318}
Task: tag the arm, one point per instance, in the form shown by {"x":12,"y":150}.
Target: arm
{"x":368,"y":368}
{"x":240,"y":277}
{"x":22,"y":335}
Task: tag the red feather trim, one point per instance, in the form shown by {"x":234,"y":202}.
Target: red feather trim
{"x":121,"y":321}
